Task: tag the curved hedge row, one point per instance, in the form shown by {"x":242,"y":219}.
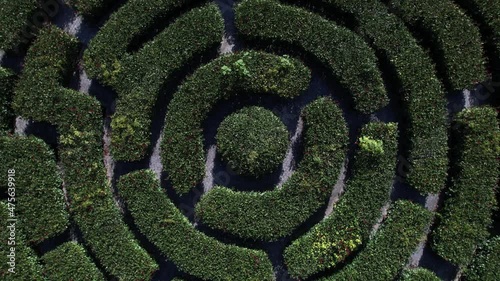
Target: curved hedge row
{"x":110,"y":44}
{"x":14,"y":20}
{"x":419,"y":274}
{"x":486,"y":263}
{"x":386,"y":254}
{"x":332,"y":240}
{"x":192,"y":251}
{"x":467,"y":214}
{"x":454,"y":36}
{"x":7,"y":80}
{"x":40,"y":96}
{"x":345,"y":54}
{"x":141,"y":76}
{"x":489,"y":12}
{"x":91,"y":8}
{"x":40,"y":200}
{"x":27,"y":266}
{"x":423,"y":95}
{"x":274,"y":214}
{"x":183,"y":156}
{"x":70,"y":262}
{"x":253,"y":141}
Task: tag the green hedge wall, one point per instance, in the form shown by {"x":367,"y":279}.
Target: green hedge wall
{"x":192,"y":251}
{"x":486,"y":263}
{"x":274,"y":214}
{"x":40,"y":96}
{"x":70,"y":262}
{"x":15,"y":18}
{"x":39,"y":196}
{"x":91,"y":9}
{"x":27,"y":266}
{"x":332,"y":240}
{"x":141,"y":76}
{"x":467,"y":215}
{"x":183,"y":156}
{"x":489,"y":12}
{"x":138,"y":78}
{"x":7,"y":81}
{"x":345,"y":54}
{"x":419,"y":274}
{"x":110,"y":44}
{"x":253,"y":141}
{"x":455,"y":38}
{"x":422,"y":93}
{"x":387,"y":253}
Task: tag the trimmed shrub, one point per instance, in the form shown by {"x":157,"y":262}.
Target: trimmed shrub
{"x":455,"y":38}
{"x":386,"y":254}
{"x":7,"y":80}
{"x":419,"y":274}
{"x":253,"y":141}
{"x":70,"y":262}
{"x":27,"y":266}
{"x":40,"y":200}
{"x":274,"y":214}
{"x":140,"y":77}
{"x":467,"y":213}
{"x":331,"y":241}
{"x":91,"y":8}
{"x":488,"y":13}
{"x":345,"y":54}
{"x":486,"y":263}
{"x":14,"y":20}
{"x":192,"y":251}
{"x":422,"y":93}
{"x":110,"y":44}
{"x":40,"y":96}
{"x":183,"y":156}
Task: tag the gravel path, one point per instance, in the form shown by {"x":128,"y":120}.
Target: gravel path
{"x":21,"y":126}
{"x":338,"y":189}
{"x":208,"y":181}
{"x":289,"y":162}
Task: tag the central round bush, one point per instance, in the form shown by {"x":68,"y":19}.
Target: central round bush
{"x":253,"y":141}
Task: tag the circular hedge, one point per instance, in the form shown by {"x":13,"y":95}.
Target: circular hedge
{"x":253,"y":141}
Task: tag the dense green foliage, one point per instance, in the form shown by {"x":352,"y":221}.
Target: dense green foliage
{"x":14,"y":22}
{"x":467,"y":213}
{"x":386,"y":254}
{"x":346,"y":55}
{"x":91,"y":8}
{"x":333,"y":239}
{"x":70,"y":262}
{"x":138,"y":79}
{"x":110,"y":44}
{"x":486,"y":264}
{"x":422,"y":93}
{"x":253,"y":141}
{"x":40,"y":200}
{"x":27,"y":266}
{"x":7,"y":80}
{"x":489,"y":11}
{"x":183,"y":155}
{"x":192,"y":251}
{"x":273,"y":214}
{"x":419,"y":274}
{"x":453,"y":35}
{"x":41,"y":96}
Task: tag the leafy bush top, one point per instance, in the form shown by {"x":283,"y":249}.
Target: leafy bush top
{"x":253,"y":141}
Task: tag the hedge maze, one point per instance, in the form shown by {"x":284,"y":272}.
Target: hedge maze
{"x":251,"y":140}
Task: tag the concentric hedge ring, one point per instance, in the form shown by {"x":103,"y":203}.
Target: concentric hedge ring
{"x":358,"y":240}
